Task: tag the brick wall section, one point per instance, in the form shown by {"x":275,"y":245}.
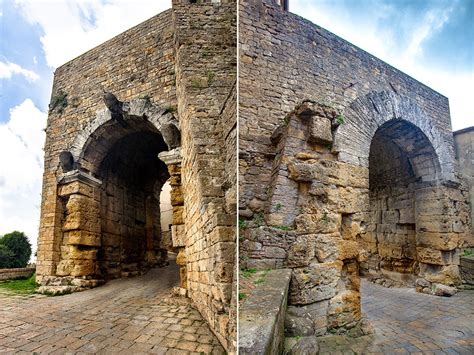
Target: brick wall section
{"x":11,"y":274}
{"x":206,"y":74}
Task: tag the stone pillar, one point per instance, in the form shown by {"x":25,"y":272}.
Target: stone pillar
{"x":442,"y":224}
{"x":173,"y":160}
{"x":78,"y":267}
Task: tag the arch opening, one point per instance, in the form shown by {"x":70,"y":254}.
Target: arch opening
{"x":401,"y":162}
{"x":132,"y":178}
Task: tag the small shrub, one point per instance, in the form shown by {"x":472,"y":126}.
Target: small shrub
{"x":243,"y":257}
{"x":210,"y":77}
{"x":170,"y":109}
{"x":340,"y":119}
{"x":325,"y":217}
{"x":467,"y":252}
{"x":259,"y":219}
{"x":145,"y":97}
{"x":75,"y":102}
{"x":242,"y":296}
{"x":198,"y":83}
{"x":58,"y":102}
{"x":278,"y":207}
{"x":242,"y":224}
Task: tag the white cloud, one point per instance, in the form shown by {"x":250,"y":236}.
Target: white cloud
{"x":374,"y":34}
{"x":75,"y":26}
{"x":7,"y":70}
{"x":21,"y":159}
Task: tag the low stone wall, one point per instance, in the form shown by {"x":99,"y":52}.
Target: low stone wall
{"x":262,"y":316}
{"x":19,"y":273}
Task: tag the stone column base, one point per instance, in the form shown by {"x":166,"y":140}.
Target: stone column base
{"x":53,"y":285}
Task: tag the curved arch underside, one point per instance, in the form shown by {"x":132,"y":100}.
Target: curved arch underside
{"x":94,"y":142}
{"x":368,"y":113}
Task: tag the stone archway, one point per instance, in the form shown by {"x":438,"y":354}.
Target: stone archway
{"x":108,"y":196}
{"x":371,"y":188}
{"x":402,"y":162}
{"x":416,"y":209}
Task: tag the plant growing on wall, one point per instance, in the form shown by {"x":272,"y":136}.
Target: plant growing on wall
{"x":340,"y":119}
{"x":58,"y":102}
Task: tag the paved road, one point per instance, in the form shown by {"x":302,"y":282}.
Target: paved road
{"x":128,"y":316}
{"x":408,"y":322}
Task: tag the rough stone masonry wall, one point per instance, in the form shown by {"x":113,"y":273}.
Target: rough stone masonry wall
{"x":182,"y":59}
{"x":305,"y":137}
{"x":206,"y":75}
{"x":140,"y":62}
{"x":464,"y":143}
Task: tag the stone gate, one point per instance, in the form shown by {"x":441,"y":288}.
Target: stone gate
{"x":154,"y":104}
{"x":347,"y":166}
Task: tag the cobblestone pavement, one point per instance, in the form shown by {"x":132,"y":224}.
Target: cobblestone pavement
{"x":407,"y":322}
{"x":128,"y":316}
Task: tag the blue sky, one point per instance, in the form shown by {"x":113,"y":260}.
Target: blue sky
{"x":429,"y":40}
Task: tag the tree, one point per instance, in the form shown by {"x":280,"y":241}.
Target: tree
{"x":6,"y":257}
{"x":18,"y":245}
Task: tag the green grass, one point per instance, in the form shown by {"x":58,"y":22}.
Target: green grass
{"x":22,"y":287}
{"x":247,"y":273}
{"x":467,"y":253}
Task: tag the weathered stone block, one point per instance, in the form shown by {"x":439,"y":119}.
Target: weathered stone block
{"x":84,"y":268}
{"x":65,"y":268}
{"x":319,"y":222}
{"x":76,"y":252}
{"x":437,"y":257}
{"x":344,"y":309}
{"x":306,"y":320}
{"x":275,"y":253}
{"x":304,"y":171}
{"x":178,"y":235}
{"x":178,"y":215}
{"x":440,"y":224}
{"x":79,"y":237}
{"x":446,"y":275}
{"x":390,"y":217}
{"x":443,"y":290}
{"x":437,"y":240}
{"x":75,"y":187}
{"x":320,"y":130}
{"x":301,"y":252}
{"x":314,"y":283}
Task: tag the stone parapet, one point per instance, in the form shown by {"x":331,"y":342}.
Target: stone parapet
{"x":262,"y":316}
